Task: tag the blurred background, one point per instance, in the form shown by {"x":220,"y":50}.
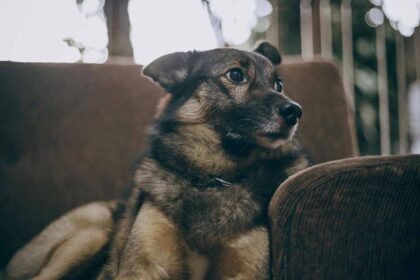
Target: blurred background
{"x":376,"y":44}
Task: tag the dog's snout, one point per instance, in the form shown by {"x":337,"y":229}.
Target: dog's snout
{"x":290,"y":112}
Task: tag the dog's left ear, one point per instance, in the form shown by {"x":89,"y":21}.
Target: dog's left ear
{"x":169,"y":70}
{"x":269,"y":51}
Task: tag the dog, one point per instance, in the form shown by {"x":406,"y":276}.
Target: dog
{"x":222,"y":143}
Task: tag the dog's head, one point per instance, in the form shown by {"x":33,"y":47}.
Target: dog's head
{"x":239,"y":93}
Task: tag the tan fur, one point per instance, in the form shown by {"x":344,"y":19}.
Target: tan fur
{"x":213,"y":160}
{"x":52,"y":254}
{"x":245,"y":258}
{"x":300,"y":164}
{"x":163,"y":102}
{"x":275,"y":144}
{"x":197,"y":265}
{"x":119,"y":240}
{"x":192,"y":112}
{"x":143,"y":257}
{"x":156,"y":250}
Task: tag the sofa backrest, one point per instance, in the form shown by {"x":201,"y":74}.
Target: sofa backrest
{"x":69,"y":134}
{"x":327,"y":128}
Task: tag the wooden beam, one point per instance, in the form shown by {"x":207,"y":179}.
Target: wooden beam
{"x":402,"y":92}
{"x":347,"y":46}
{"x":417,"y":52}
{"x":325,"y":28}
{"x":306,"y":37}
{"x":383,"y":90}
{"x":118,"y":23}
{"x":316,"y":27}
{"x":273,"y":32}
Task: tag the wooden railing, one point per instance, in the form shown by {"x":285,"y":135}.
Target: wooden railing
{"x":316,"y":39}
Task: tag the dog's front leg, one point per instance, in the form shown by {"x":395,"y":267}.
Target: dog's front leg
{"x":154,"y":249}
{"x":245,"y":258}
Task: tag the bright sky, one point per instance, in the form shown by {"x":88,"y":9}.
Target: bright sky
{"x":33,"y":30}
{"x":164,"y":26}
{"x":405,"y":13}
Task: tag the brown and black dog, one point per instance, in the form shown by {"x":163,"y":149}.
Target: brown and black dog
{"x":219,"y":148}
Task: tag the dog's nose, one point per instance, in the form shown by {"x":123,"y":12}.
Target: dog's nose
{"x":290,"y":112}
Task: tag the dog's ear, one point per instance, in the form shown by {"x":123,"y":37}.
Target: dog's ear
{"x":169,"y":70}
{"x":269,"y":51}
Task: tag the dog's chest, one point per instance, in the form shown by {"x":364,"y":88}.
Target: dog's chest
{"x":210,"y":212}
{"x":197,"y":265}
{"x":208,"y":218}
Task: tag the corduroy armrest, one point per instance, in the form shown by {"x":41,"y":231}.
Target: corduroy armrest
{"x":356,"y":218}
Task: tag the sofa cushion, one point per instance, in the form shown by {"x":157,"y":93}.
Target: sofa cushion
{"x":349,"y":219}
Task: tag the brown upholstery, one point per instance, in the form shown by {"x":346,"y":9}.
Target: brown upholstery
{"x":69,"y":133}
{"x":349,"y":219}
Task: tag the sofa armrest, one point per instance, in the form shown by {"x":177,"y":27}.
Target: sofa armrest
{"x":357,"y":218}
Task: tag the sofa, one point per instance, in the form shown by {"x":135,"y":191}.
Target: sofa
{"x":69,"y":134}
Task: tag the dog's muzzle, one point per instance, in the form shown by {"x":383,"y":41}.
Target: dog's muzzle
{"x":290,"y":112}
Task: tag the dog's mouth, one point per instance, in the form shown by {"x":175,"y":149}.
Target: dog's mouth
{"x":274,"y":135}
{"x":274,"y":139}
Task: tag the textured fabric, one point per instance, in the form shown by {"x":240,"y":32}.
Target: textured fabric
{"x":349,"y":219}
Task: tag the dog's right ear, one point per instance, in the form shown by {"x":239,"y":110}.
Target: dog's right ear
{"x":269,"y":51}
{"x":169,"y":70}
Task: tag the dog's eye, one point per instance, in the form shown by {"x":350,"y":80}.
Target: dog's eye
{"x":236,"y":75}
{"x":278,"y":85}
